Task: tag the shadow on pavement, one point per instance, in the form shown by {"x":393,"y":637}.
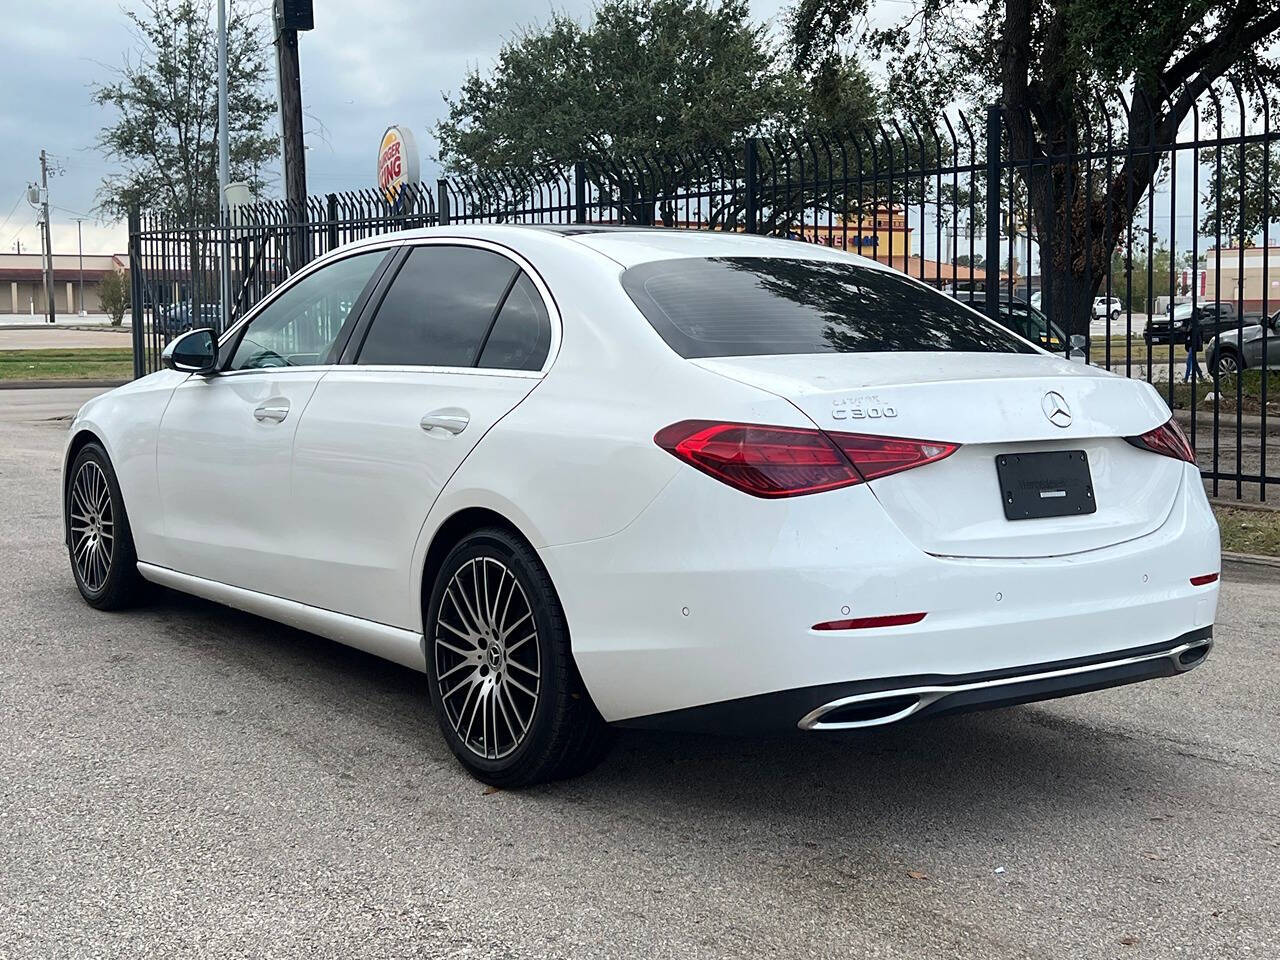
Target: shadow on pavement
{"x":1011,"y":769}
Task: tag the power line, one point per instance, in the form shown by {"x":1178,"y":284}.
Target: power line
{"x":9,"y":215}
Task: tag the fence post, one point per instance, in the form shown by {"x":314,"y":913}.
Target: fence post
{"x":580,"y":192}
{"x":331,"y":214}
{"x":993,"y":212}
{"x":752,"y":186}
{"x":442,"y":202}
{"x":135,"y":292}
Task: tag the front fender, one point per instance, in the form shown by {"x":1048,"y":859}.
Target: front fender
{"x":126,"y":422}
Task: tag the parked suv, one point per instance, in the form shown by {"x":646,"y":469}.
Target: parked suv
{"x":1104,"y":307}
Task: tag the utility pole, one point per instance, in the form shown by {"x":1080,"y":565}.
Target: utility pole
{"x":48,"y":236}
{"x":80,"y":253}
{"x":291,"y":16}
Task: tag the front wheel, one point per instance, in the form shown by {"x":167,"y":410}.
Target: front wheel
{"x":1226,"y":363}
{"x":503,"y":683}
{"x":99,"y":540}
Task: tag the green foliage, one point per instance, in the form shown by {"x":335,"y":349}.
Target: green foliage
{"x":164,"y":132}
{"x":1060,"y":69}
{"x":1155,"y":272}
{"x":1234,"y":213}
{"x":645,"y":76}
{"x":114,"y":295}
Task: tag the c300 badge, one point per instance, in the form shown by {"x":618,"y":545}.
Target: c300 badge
{"x":862,"y":408}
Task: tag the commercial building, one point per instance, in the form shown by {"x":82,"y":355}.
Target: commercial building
{"x":1259,"y":279}
{"x":886,"y":236}
{"x":22,"y":282}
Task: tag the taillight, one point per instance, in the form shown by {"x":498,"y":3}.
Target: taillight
{"x":880,"y":456}
{"x":769,"y":461}
{"x":1167,"y":440}
{"x":762,"y":461}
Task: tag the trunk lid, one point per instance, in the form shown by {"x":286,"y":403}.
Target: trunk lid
{"x":992,"y":405}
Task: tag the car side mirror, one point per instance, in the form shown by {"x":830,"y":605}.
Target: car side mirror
{"x":193,"y":352}
{"x":1078,"y":344}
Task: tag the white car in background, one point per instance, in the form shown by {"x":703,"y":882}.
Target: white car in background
{"x":1104,"y":307}
{"x":586,"y":476}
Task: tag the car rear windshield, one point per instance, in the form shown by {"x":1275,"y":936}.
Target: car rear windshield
{"x":752,"y":306}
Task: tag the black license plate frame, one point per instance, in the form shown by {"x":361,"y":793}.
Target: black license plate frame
{"x":1050,"y":483}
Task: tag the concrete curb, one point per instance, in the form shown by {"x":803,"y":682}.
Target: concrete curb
{"x":1249,"y":505}
{"x":1252,"y":560}
{"x":58,"y":384}
{"x":1250,"y":423}
{"x":124,"y":328}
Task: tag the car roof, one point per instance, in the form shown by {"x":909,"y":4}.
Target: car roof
{"x":632,"y":245}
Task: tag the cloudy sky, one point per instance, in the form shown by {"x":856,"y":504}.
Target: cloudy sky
{"x":368,"y":63}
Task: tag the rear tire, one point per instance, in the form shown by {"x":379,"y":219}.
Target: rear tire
{"x":503,"y":683}
{"x":99,"y":538}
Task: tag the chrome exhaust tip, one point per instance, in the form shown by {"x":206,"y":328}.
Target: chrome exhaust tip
{"x":890,"y":706}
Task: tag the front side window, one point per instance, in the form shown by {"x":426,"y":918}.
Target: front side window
{"x":439,"y":308}
{"x":299,"y":327}
{"x":751,"y":306}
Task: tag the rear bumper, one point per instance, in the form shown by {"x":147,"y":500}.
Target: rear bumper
{"x":870,"y":703}
{"x":710,"y":597}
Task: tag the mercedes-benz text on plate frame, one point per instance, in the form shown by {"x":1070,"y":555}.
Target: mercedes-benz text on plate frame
{"x":587,"y":477}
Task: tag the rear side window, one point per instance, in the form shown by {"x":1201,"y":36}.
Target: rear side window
{"x":752,"y":306}
{"x":439,"y":308}
{"x":521,"y":335}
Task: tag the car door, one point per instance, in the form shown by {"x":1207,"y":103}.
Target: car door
{"x":1267,"y":342}
{"x":460,"y":338}
{"x":225,"y":443}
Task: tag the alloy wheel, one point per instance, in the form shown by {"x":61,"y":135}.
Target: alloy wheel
{"x":487,"y":658}
{"x":1227,"y":365}
{"x":93,"y":534}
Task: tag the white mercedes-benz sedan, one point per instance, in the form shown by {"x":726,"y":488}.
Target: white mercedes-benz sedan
{"x":586,"y":477}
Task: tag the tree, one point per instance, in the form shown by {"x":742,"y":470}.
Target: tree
{"x":165,"y":133}
{"x":1049,"y":62}
{"x":113,"y":294}
{"x":679,"y":81}
{"x":1242,"y":194}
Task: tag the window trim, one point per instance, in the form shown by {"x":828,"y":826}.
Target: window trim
{"x":355,"y":343}
{"x":230,"y":341}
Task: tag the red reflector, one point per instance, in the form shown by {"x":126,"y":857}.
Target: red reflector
{"x":1204,"y":579}
{"x":768,"y":461}
{"x":864,"y":623}
{"x":760,"y":460}
{"x":880,"y":456}
{"x":1167,"y":440}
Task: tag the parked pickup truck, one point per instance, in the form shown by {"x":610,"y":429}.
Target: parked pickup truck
{"x":1214,"y":318}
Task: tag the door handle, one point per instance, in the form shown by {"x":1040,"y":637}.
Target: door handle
{"x":449,"y":419}
{"x":274,"y":410}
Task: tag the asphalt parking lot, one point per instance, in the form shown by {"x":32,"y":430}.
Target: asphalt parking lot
{"x":185,"y":780}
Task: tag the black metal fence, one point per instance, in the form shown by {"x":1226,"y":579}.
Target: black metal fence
{"x":1118,"y":234}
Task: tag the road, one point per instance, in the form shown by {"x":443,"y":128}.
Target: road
{"x":184,"y":780}
{"x":58,"y":338}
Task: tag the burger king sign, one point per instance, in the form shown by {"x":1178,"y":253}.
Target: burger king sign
{"x":397,"y":164}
